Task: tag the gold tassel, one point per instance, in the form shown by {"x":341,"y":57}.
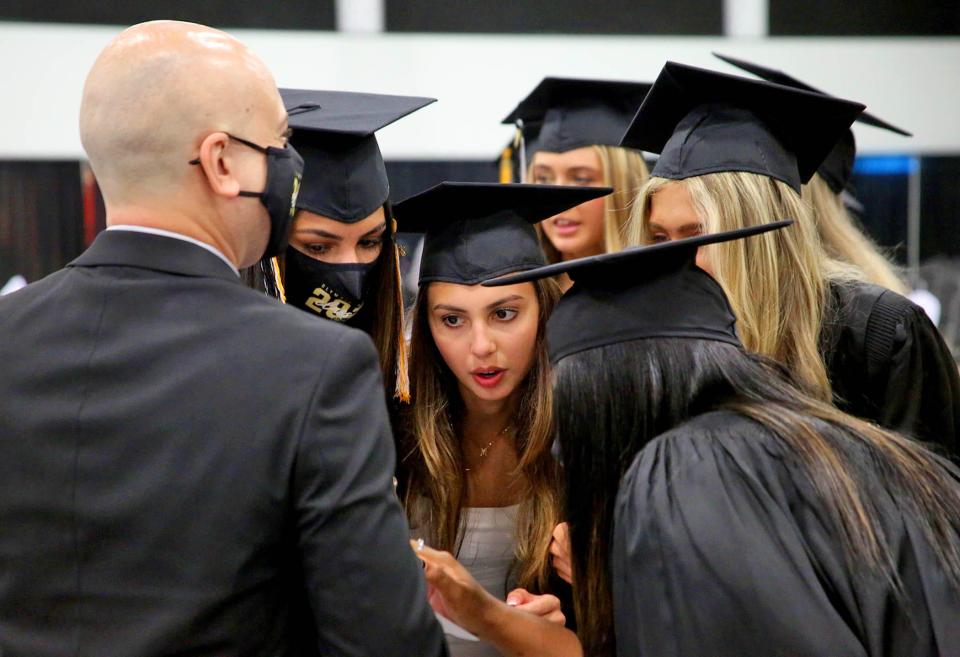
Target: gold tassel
{"x":275,"y":268}
{"x":506,"y":165}
{"x":403,"y":374}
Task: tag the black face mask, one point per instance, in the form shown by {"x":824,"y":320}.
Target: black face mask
{"x":333,"y":291}
{"x":279,"y":196}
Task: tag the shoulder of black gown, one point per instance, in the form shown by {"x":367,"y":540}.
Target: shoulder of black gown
{"x":722,"y":548}
{"x":888,"y":363}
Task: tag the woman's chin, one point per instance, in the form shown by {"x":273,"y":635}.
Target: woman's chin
{"x":575,"y":248}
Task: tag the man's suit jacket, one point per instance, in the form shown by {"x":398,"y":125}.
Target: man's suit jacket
{"x":189,"y":468}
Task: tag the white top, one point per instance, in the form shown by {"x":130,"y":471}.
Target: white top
{"x":177,"y":236}
{"x":487,"y":552}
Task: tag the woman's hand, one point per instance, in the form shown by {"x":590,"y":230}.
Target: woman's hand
{"x":546,"y":606}
{"x":453,"y":592}
{"x":560,"y":553}
{"x":533,"y":627}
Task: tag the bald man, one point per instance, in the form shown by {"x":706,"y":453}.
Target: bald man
{"x":187,"y":467}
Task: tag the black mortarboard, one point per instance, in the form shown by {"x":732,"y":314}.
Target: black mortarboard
{"x":837,"y":168}
{"x":476,"y":231}
{"x":577,"y":113}
{"x":644,"y":292}
{"x":701,"y":121}
{"x":344,"y":176}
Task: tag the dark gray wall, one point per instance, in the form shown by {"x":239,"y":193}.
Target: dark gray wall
{"x":266,"y":14}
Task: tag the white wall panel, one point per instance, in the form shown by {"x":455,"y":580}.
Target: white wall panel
{"x":914,"y":83}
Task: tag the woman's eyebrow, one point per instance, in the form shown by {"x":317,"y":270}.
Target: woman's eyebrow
{"x":321,"y":233}
{"x":512,"y":297}
{"x":378,"y":229}
{"x":443,"y":306}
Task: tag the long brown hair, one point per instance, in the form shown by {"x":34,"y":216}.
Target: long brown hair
{"x":625,"y":170}
{"x":386,"y":315}
{"x":433,"y":486}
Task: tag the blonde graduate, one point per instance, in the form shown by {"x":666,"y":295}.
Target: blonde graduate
{"x":572,"y":129}
{"x":776,"y":283}
{"x":600,"y":222}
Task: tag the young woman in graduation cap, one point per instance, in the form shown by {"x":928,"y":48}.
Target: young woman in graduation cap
{"x":476,"y":474}
{"x":342,"y":263}
{"x":572,"y":130}
{"x":715,"y":507}
{"x":733,"y":153}
{"x":829,"y":196}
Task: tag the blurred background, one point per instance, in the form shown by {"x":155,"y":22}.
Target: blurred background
{"x":479,"y":57}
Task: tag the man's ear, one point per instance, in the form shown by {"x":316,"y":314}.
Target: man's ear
{"x":218,"y":166}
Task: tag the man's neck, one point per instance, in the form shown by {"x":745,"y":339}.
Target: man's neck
{"x":173,"y":222}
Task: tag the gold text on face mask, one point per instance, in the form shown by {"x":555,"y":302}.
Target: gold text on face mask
{"x":323,"y":303}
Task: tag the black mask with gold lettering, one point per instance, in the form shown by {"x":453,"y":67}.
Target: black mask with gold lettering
{"x":332,"y":291}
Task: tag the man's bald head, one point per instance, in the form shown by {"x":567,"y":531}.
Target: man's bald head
{"x":152,"y":95}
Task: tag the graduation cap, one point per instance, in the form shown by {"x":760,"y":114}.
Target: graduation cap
{"x":837,"y":168}
{"x":344,"y":175}
{"x":574,"y":113}
{"x":476,"y":231}
{"x":701,"y":121}
{"x":644,"y":292}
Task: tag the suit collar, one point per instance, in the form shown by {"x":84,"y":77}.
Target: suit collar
{"x":155,"y":252}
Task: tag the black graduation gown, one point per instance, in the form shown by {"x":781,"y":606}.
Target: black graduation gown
{"x":721,"y":548}
{"x":888,"y":363}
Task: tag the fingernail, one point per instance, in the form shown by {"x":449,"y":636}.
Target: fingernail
{"x":512,"y":602}
{"x":420,"y":544}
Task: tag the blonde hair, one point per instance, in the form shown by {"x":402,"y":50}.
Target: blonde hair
{"x":432,"y":482}
{"x":625,"y":171}
{"x":777,"y":282}
{"x":844,"y":241}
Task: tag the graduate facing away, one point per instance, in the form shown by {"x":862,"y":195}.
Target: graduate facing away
{"x":715,"y":506}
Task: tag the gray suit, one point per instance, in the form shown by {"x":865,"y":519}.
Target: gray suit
{"x":189,"y":468}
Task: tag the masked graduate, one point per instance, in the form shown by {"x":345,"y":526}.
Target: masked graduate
{"x":476,"y":474}
{"x":715,"y":507}
{"x":830,"y":195}
{"x":342,"y":263}
{"x":572,"y":131}
{"x":734,"y":152}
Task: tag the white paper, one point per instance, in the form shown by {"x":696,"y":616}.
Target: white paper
{"x":452,"y":629}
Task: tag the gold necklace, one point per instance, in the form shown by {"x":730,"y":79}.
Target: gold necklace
{"x":483,"y":450}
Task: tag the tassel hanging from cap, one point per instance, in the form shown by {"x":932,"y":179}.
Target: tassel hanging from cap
{"x":402,"y":391}
{"x":506,"y":164}
{"x":277,"y":279}
{"x":520,"y":143}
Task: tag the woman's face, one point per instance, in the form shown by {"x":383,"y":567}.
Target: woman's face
{"x":486,"y":335}
{"x":335,"y":242}
{"x":674,"y":217}
{"x":579,"y":231}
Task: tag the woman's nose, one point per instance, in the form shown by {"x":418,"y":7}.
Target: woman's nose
{"x":482,"y":344}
